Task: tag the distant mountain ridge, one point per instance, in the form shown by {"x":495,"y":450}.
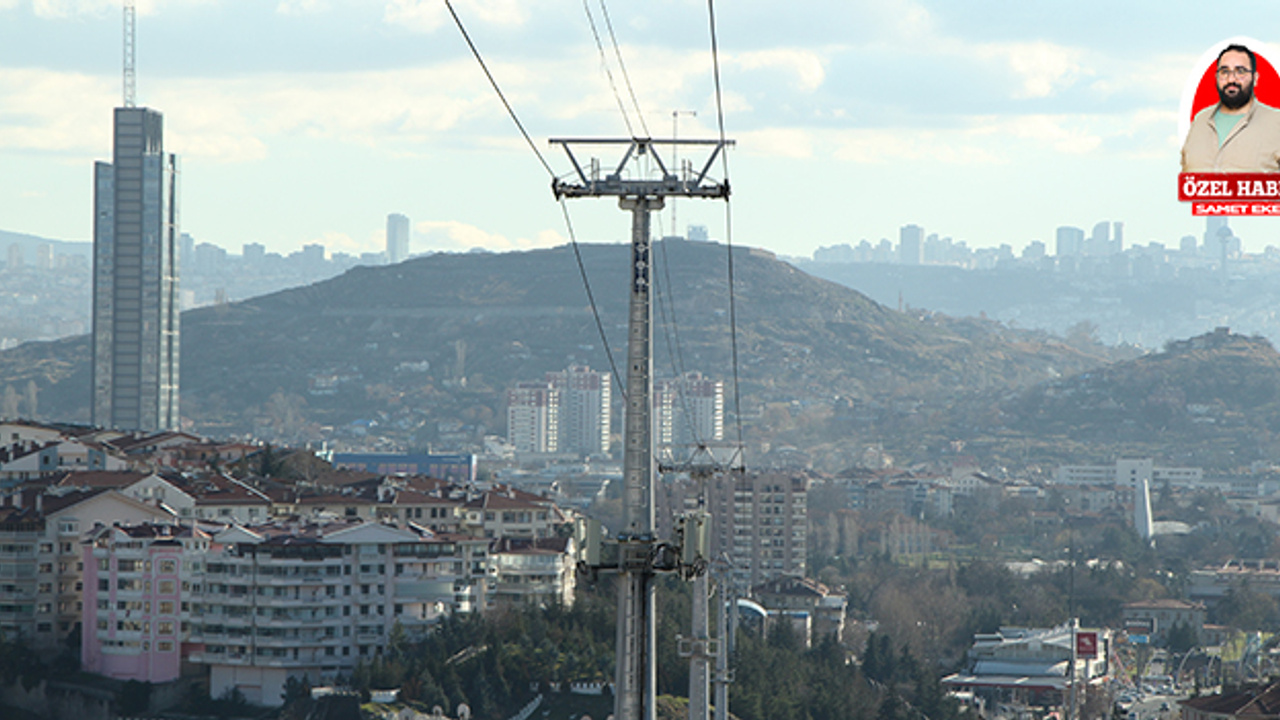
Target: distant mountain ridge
{"x":356,"y":346}
{"x":30,"y":243}
{"x":1212,"y":400}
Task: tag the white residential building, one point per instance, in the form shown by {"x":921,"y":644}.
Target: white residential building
{"x":533,"y":417}
{"x":264,"y":603}
{"x":585,"y":409}
{"x":688,"y":410}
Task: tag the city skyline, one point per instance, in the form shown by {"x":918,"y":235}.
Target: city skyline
{"x":999,"y":132}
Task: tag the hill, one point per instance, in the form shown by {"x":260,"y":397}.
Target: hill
{"x":434,"y":342}
{"x":1210,"y":401}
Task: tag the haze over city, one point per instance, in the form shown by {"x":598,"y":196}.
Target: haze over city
{"x":307,"y":121}
{"x":974,"y":421}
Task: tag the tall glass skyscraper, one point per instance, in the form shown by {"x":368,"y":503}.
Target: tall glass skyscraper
{"x":397,"y":238}
{"x":135,"y":278}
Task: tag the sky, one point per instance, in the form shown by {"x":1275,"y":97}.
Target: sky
{"x":304,"y":121}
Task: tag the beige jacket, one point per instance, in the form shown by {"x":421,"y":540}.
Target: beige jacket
{"x":1252,"y":146}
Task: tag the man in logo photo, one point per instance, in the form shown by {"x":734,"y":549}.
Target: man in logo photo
{"x":1239,"y":133}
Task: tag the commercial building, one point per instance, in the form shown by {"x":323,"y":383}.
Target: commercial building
{"x":135,"y":278}
{"x":1164,"y":615}
{"x":1034,"y":666}
{"x":397,"y":238}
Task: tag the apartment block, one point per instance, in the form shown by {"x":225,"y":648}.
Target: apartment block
{"x":759,"y":520}
{"x":41,"y":568}
{"x":264,"y":603}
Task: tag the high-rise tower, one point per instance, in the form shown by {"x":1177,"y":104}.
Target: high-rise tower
{"x":135,"y":271}
{"x":397,"y":238}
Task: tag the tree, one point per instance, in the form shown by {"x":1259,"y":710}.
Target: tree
{"x":135,"y":698}
{"x":1181,"y":638}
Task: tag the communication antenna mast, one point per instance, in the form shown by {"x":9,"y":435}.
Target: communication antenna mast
{"x":637,"y":554}
{"x":130,"y":76}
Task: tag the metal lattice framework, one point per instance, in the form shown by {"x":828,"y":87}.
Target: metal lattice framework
{"x":130,"y":72}
{"x":640,"y":555}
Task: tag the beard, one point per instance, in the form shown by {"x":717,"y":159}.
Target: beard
{"x":1238,"y":99}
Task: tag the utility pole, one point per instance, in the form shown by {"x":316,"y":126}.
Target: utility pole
{"x":639,"y":553}
{"x":700,"y":647}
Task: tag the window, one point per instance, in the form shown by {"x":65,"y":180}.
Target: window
{"x":165,"y":646}
{"x":166,"y":587}
{"x":166,"y":607}
{"x":168,"y":566}
{"x":164,"y":627}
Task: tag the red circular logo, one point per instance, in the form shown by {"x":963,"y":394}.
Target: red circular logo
{"x":1266,"y":86}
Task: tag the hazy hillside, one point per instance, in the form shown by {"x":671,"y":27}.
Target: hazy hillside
{"x":395,"y":342}
{"x":1209,"y":401}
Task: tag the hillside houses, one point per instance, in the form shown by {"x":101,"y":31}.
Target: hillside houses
{"x":438,"y":548}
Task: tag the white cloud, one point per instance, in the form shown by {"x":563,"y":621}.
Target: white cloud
{"x":777,"y":142}
{"x":418,"y":15}
{"x":301,"y":7}
{"x":425,"y":16}
{"x":65,"y":113}
{"x":62,"y":9}
{"x":57,"y":9}
{"x":912,"y":145}
{"x":1044,"y":68}
{"x":807,"y":66}
{"x":451,"y":235}
{"x":1065,"y":134}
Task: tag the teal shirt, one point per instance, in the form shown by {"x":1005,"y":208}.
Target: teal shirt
{"x":1224,"y":122}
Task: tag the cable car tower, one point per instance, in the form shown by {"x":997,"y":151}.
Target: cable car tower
{"x":639,"y":554}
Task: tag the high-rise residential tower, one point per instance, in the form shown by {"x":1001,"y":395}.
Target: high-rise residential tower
{"x":533,"y":417}
{"x":135,"y":278}
{"x":585,"y":409}
{"x":688,"y":410}
{"x":397,"y":238}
